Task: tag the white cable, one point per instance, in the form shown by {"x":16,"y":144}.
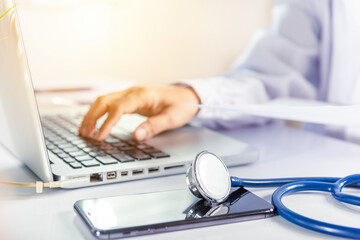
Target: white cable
{"x":39,"y":185}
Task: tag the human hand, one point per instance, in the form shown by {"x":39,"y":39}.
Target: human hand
{"x":164,"y":107}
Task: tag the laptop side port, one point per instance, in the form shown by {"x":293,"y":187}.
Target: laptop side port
{"x":137,"y":172}
{"x":111,"y":175}
{"x":124,"y":173}
{"x":96,"y":177}
{"x":154,"y":169}
{"x":173,"y":167}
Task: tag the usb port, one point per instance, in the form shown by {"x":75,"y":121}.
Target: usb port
{"x":154,"y":169}
{"x":138,"y":172}
{"x":124,"y":173}
{"x":111,"y":175}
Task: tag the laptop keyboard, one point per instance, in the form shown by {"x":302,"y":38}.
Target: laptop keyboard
{"x":62,"y":139}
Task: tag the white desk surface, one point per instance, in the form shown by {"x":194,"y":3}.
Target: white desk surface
{"x":285,"y":152}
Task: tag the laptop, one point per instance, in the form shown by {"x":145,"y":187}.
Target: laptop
{"x":49,"y":145}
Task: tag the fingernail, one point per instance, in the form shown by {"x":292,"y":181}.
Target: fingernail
{"x":140,"y":134}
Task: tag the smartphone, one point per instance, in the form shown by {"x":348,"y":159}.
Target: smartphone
{"x":157,"y":212}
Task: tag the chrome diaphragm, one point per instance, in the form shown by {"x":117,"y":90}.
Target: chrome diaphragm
{"x":208,"y":177}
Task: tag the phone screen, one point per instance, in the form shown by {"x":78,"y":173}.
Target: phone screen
{"x":140,"y":214}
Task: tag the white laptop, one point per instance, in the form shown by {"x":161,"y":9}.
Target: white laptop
{"x":50,"y":147}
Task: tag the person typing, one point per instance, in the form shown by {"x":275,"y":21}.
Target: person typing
{"x":309,"y":51}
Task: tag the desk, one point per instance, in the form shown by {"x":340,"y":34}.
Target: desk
{"x":284,"y":152}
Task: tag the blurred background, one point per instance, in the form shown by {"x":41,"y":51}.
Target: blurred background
{"x":147,"y":41}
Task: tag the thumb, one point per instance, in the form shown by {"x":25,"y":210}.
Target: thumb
{"x":152,"y":126}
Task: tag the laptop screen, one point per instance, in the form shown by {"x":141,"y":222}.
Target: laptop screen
{"x":20,"y":127}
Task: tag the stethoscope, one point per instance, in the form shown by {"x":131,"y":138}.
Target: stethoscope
{"x":208,"y":178}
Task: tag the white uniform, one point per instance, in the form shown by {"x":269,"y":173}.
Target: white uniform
{"x":311,"y":50}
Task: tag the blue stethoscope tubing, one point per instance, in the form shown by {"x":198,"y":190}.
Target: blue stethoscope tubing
{"x":323,"y":184}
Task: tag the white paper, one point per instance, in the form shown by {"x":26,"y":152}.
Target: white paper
{"x":298,"y":110}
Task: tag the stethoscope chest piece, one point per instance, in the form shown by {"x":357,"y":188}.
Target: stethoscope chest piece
{"x":208,"y":177}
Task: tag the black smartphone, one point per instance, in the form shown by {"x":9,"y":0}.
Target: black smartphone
{"x":149,"y":213}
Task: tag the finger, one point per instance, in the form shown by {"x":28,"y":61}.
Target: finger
{"x":114,"y":116}
{"x":98,"y":109}
{"x":155,"y":125}
{"x":127,"y":104}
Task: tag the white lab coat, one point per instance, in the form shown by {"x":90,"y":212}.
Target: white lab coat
{"x":311,"y":50}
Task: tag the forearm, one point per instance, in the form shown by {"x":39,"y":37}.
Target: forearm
{"x":281,"y":61}
{"x":226,"y":91}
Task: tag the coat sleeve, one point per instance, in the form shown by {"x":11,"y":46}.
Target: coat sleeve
{"x":281,"y":61}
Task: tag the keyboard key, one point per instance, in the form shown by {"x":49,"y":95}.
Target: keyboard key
{"x":106,"y":147}
{"x":142,"y":146}
{"x":77,"y":154}
{"x":75,"y":165}
{"x":132,"y":142}
{"x":97,"y":154}
{"x":54,"y":138}
{"x":151,"y":150}
{"x":137,"y":154}
{"x":95,"y":149}
{"x":89,"y":144}
{"x":126,"y":148}
{"x":122,"y":157}
{"x":81,"y":145}
{"x":59,"y":130}
{"x":160,"y":155}
{"x":65,"y":145}
{"x":69,"y":160}
{"x":78,"y":141}
{"x":57,"y":150}
{"x":113,"y":151}
{"x":71,"y":137}
{"x":59,"y":142}
{"x":73,"y":130}
{"x":95,"y":143}
{"x":63,"y":140}
{"x":87,"y":149}
{"x":50,"y":146}
{"x":71,"y":149}
{"x":107,"y":160}
{"x":119,"y":144}
{"x":91,"y":163}
{"x":84,"y":158}
{"x":62,"y":155}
